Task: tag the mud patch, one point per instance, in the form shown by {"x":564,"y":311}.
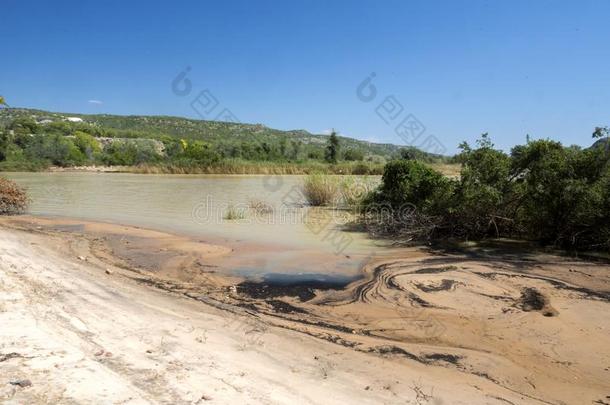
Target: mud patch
{"x":394,"y":350}
{"x":284,"y":307}
{"x":447,"y":358}
{"x":532,"y":300}
{"x":435,"y":270}
{"x":302,"y":286}
{"x":444,"y":285}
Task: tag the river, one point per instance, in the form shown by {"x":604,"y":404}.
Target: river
{"x":304,"y":240}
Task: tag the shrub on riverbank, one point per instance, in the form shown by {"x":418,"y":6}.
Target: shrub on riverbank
{"x":542,"y":191}
{"x":13,"y":199}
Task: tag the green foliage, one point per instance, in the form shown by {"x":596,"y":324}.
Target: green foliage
{"x":563,"y":193}
{"x":200,"y":152}
{"x":483,"y":194}
{"x":87,"y":144}
{"x":129,"y":153}
{"x":412,"y":153}
{"x":332,"y":149}
{"x":24,"y":126}
{"x":353,"y":154}
{"x":542,"y":191}
{"x":412,"y":182}
{"x":252,"y":142}
{"x":56,"y":149}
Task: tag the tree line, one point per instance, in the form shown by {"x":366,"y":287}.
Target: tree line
{"x":25,"y":142}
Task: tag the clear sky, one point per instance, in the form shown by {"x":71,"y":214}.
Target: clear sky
{"x":509,"y":68}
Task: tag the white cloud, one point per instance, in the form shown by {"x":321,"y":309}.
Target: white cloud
{"x":95,"y":102}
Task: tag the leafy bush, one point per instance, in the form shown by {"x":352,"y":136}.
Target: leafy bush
{"x":563,"y":194}
{"x":542,"y":191}
{"x":56,"y":149}
{"x":411,"y":203}
{"x":353,"y":154}
{"x":13,"y":199}
{"x":484,"y":194}
{"x":412,"y":182}
{"x":87,"y":144}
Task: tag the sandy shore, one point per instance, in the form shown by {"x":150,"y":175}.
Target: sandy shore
{"x":107,"y":313}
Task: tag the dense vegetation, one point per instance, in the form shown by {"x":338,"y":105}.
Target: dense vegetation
{"x":541,"y":191}
{"x":32,"y":140}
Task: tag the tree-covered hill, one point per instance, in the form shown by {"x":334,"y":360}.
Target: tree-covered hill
{"x":221,"y":135}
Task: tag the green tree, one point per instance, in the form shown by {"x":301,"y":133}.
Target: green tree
{"x":332,"y":149}
{"x":484,"y":196}
{"x":295,"y":150}
{"x":56,"y":149}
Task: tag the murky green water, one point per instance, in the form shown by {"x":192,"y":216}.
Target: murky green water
{"x":197,"y":206}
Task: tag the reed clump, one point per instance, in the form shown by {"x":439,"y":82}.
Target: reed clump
{"x":320,"y":189}
{"x":234,"y":214}
{"x":236,"y":166}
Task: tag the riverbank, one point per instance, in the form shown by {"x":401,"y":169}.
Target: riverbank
{"x":140,"y":309}
{"x":230,"y":167}
{"x":223,"y":167}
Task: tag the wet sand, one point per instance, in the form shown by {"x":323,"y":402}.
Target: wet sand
{"x":479,"y":326}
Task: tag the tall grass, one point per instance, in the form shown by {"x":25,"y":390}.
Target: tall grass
{"x":354,"y":190}
{"x":236,"y":166}
{"x":233,"y":213}
{"x":320,"y":189}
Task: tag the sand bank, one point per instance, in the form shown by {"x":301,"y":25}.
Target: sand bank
{"x":99,"y":312}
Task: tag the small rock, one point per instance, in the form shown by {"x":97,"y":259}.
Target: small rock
{"x":148,"y":351}
{"x":22,"y":383}
{"x":108,"y":354}
{"x":99,"y":353}
{"x":233,"y":288}
{"x":81,"y":257}
{"x":368,"y":387}
{"x":108,"y":271}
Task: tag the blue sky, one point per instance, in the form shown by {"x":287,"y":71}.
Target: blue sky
{"x":508,"y":68}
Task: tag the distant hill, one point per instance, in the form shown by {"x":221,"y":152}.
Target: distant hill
{"x":214,"y":132}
